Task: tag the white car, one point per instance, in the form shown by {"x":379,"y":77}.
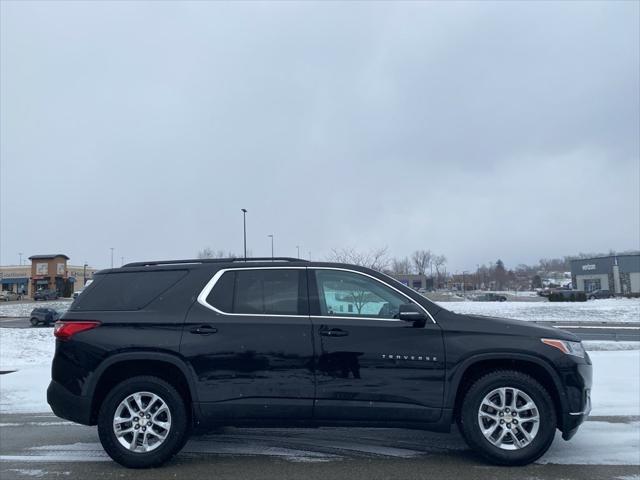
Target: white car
{"x":6,"y":295}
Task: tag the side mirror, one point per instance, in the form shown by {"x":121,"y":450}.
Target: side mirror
{"x":410,"y":312}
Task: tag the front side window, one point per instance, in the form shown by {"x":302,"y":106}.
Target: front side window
{"x":347,"y":294}
{"x":261,"y":291}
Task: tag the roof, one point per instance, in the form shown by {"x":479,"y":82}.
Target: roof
{"x":628,"y":254}
{"x":45,"y":257}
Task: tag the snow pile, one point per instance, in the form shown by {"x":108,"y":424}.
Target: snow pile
{"x":608,"y":310}
{"x":616,"y":383}
{"x":20,"y":347}
{"x":30,"y":351}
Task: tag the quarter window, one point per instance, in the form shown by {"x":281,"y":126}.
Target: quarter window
{"x":347,"y":294}
{"x":264,"y":291}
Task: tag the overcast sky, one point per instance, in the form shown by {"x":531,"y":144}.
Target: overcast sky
{"x":477,"y":130}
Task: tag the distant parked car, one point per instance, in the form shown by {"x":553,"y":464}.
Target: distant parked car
{"x":45,"y":295}
{"x":562,"y":295}
{"x":44,"y":316}
{"x":490,"y":297}
{"x":599,"y":294}
{"x":6,"y":296}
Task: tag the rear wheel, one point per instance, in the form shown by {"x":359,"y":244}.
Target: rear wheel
{"x":508,"y":417}
{"x":34,"y":322}
{"x":143,"y":422}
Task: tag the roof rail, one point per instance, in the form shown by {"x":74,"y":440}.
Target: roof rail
{"x":213,"y":260}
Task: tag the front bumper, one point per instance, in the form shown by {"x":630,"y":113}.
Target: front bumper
{"x":578,"y":393}
{"x":67,"y":405}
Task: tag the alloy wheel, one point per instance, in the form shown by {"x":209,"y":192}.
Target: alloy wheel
{"x":508,"y":418}
{"x":142,"y":422}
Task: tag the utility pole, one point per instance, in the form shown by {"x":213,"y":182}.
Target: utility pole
{"x":298,"y":248}
{"x":111,"y":257}
{"x":244,"y":229}
{"x":84,"y":274}
{"x":271,"y":236}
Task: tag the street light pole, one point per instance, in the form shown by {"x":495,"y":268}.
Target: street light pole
{"x":271,"y":236}
{"x":84,"y":274}
{"x":20,"y":258}
{"x":111,"y":257}
{"x":244,"y":229}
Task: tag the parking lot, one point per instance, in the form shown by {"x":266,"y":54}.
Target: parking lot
{"x":45,"y":447}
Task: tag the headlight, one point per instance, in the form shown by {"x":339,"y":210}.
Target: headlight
{"x":570,"y":348}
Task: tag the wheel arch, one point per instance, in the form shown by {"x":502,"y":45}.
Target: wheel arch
{"x":477,"y":366}
{"x":121,"y":366}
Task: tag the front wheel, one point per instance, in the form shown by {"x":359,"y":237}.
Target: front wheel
{"x":143,"y":422}
{"x":34,"y":322}
{"x":508,"y":417}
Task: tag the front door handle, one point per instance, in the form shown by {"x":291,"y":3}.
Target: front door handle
{"x":333,"y":332}
{"x":204,"y":330}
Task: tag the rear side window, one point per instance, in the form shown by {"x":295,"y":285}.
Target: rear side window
{"x":266,"y":292}
{"x":126,"y":291}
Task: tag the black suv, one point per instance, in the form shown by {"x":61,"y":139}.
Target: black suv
{"x":153,"y":350}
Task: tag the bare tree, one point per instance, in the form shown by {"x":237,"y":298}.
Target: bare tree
{"x":208,"y":252}
{"x":421,"y":260}
{"x":401,"y":266}
{"x":439,"y":261}
{"x":376,"y":259}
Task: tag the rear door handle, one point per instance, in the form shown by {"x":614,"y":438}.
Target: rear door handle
{"x":333,"y":332}
{"x":204,"y":330}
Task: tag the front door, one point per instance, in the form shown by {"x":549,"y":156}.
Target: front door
{"x":248,"y":339}
{"x":370,"y":365}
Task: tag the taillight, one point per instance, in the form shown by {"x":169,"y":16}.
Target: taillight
{"x":65,"y":330}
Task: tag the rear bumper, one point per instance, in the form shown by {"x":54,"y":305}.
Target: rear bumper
{"x":67,"y":405}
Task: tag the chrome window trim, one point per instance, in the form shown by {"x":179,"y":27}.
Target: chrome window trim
{"x":202,"y":297}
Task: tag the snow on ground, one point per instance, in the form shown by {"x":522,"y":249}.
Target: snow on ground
{"x":8,"y":309}
{"x":606,"y":310}
{"x":616,"y":383}
{"x":597,"y":443}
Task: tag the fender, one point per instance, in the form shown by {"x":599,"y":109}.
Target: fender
{"x":90,"y":385}
{"x":457,"y":372}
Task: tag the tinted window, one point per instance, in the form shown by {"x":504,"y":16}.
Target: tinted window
{"x":268,"y":292}
{"x":126,"y":291}
{"x":347,"y":294}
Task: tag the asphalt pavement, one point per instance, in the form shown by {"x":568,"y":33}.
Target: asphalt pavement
{"x":43,"y":446}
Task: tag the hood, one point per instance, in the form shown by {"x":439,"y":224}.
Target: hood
{"x":518,"y":327}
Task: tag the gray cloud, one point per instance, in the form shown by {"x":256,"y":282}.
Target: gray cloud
{"x":479,"y":130}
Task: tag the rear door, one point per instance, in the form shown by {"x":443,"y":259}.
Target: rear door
{"x":248,"y":339}
{"x":370,"y":365}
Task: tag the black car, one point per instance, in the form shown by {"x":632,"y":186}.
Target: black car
{"x":44,"y":316}
{"x":45,"y":295}
{"x":153,"y":349}
{"x":490,"y":297}
{"x":596,"y":294}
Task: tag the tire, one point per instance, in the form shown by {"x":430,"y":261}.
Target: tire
{"x":34,"y":322}
{"x":592,"y":297}
{"x":512,"y":450}
{"x":177,"y":419}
